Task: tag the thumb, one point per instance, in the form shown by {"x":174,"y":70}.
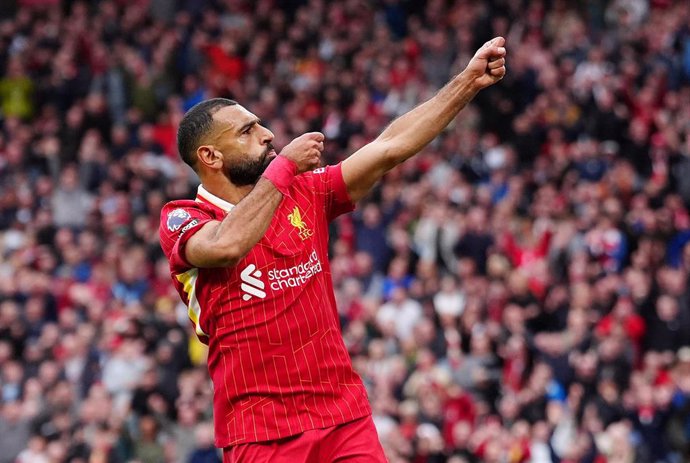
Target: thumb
{"x":318,"y":136}
{"x":492,"y":48}
{"x":498,"y":41}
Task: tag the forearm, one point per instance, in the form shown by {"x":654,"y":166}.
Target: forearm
{"x":412,"y":131}
{"x":247,"y":223}
{"x":408,"y":134}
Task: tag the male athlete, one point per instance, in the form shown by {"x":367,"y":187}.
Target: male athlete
{"x":249,"y":258}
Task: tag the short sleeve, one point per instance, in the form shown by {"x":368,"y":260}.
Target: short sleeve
{"x":329,"y":180}
{"x":178,"y":224}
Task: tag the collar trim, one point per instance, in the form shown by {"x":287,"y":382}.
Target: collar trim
{"x":202,"y":195}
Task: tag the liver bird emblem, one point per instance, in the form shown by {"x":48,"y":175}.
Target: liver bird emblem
{"x":296,"y":221}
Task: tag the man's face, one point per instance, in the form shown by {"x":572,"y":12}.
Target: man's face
{"x":244,"y":142}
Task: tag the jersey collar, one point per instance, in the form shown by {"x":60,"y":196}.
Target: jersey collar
{"x":203,"y":196}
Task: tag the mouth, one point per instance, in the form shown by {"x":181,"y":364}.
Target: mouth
{"x":270,"y":155}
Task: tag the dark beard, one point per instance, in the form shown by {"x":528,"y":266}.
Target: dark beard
{"x":248,"y":171}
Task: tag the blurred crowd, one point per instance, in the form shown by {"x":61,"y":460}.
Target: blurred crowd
{"x":515,"y":293}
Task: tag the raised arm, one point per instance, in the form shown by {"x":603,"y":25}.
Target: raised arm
{"x":224,"y":243}
{"x":408,"y":134}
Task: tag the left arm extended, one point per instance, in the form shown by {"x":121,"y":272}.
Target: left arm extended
{"x":412,"y":131}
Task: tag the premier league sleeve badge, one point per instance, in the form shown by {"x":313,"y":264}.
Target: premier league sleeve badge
{"x":177,"y":218}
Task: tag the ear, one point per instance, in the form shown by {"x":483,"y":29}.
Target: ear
{"x":208,"y":156}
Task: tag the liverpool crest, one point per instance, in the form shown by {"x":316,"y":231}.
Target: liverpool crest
{"x":296,"y":221}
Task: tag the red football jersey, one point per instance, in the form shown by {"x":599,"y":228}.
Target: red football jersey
{"x":276,"y":355}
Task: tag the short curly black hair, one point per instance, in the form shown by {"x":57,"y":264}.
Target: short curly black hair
{"x":195,"y":124}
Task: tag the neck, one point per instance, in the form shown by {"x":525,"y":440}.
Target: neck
{"x":219,"y":185}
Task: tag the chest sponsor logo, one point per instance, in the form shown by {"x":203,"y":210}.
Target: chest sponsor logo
{"x":297,"y":275}
{"x":251,"y":283}
{"x":176,"y":218}
{"x":295,"y":218}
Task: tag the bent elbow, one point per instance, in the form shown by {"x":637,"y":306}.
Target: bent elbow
{"x":221,"y":254}
{"x":231,"y":255}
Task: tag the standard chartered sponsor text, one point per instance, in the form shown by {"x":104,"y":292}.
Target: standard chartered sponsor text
{"x":297,"y":275}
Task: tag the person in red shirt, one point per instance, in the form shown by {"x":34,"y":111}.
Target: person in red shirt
{"x":249,"y":258}
{"x":624,"y":320}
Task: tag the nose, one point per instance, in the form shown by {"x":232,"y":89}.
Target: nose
{"x":267,"y":136}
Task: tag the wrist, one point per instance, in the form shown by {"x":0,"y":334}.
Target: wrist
{"x":467,"y":83}
{"x":281,"y":173}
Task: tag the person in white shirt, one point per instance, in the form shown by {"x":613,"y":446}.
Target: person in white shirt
{"x":402,"y":311}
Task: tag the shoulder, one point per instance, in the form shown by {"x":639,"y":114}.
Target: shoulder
{"x":176,"y":212}
{"x":180,"y":208}
{"x":179,"y":215}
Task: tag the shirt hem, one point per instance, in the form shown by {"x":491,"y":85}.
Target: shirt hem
{"x":285,"y":432}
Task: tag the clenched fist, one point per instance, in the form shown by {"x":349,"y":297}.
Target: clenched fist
{"x":488,"y":65}
{"x":305,"y":151}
